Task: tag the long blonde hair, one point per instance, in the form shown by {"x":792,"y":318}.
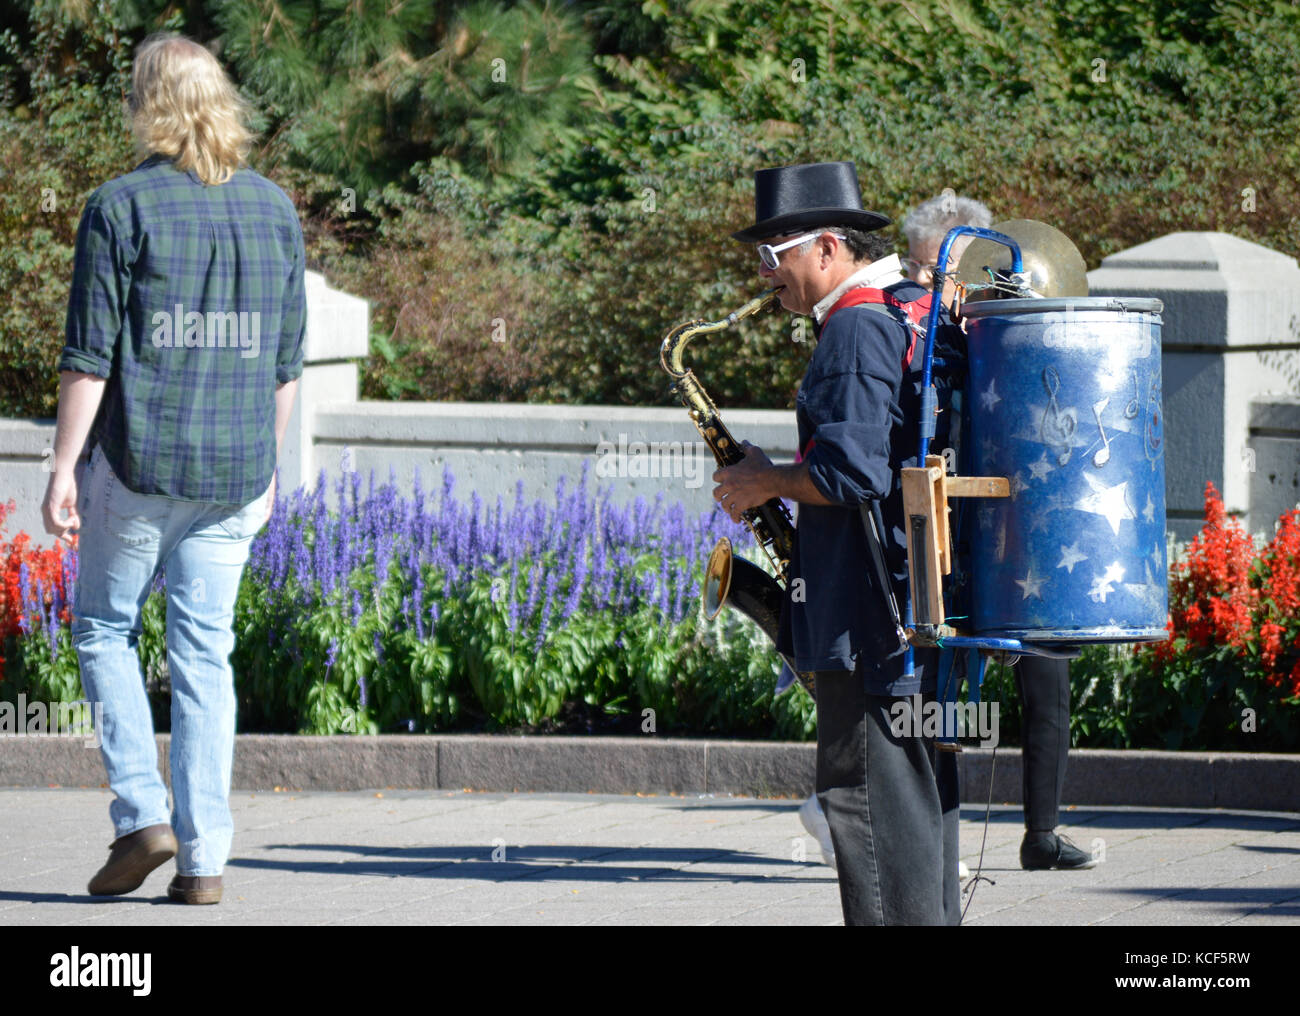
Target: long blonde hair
{"x":183,"y":106}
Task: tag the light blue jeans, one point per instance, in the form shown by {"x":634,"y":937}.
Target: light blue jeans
{"x":201,"y":549}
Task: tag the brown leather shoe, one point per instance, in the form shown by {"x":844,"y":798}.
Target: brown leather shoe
{"x":131,"y":858}
{"x":195,"y":889}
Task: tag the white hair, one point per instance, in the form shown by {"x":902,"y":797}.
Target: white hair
{"x":930,"y":221}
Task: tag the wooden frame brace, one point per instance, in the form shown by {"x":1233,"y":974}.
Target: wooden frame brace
{"x":926,"y":490}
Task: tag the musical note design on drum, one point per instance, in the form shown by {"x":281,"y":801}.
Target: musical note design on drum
{"x":1058,"y":425}
{"x":1154,"y":431}
{"x":1103,"y":453}
{"x":1133,"y":408}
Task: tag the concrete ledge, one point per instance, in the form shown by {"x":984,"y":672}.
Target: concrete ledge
{"x":601,"y":765}
{"x":338,"y":323}
{"x":761,"y":769}
{"x":266,"y":761}
{"x":628,"y":765}
{"x":490,"y":447}
{"x":50,"y":761}
{"x":1278,"y":413}
{"x":521,"y":425}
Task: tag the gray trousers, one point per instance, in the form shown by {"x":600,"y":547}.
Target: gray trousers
{"x":892,"y":803}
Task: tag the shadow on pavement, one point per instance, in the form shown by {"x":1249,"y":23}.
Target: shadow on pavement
{"x":566,"y":863}
{"x":20,"y":897}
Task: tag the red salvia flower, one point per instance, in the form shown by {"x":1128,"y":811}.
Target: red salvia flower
{"x":44,"y":568}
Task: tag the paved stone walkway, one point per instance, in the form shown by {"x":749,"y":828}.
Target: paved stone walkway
{"x":440,"y":857}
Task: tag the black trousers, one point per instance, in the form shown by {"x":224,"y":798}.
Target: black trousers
{"x":1045,"y":698}
{"x":892,"y":803}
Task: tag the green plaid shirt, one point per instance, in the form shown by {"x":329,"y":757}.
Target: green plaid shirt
{"x":189,"y":300}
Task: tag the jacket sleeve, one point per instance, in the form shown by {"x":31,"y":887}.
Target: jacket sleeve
{"x":850,"y":395}
{"x":101,"y":279}
{"x":293,"y":323}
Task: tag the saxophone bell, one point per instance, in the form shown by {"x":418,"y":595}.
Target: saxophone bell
{"x":717,"y":578}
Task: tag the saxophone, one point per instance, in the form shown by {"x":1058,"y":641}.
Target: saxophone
{"x":729,"y":580}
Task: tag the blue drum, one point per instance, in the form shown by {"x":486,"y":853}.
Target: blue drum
{"x":1065,"y":401}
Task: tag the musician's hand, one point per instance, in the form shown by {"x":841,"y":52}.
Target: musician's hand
{"x":59,"y":511}
{"x":745,"y":485}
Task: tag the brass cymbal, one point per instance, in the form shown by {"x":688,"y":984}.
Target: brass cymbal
{"x":1055,"y":266}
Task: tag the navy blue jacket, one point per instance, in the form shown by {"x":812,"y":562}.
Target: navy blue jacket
{"x":857,"y":412}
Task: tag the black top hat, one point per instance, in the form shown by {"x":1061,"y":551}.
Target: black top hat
{"x":790,"y":198}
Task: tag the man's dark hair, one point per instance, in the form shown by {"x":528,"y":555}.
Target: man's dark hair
{"x":865,"y":246}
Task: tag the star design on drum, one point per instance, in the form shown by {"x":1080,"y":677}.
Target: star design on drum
{"x":1041,"y":468}
{"x":1031,"y":585}
{"x":990,"y":398}
{"x":1109,"y":502}
{"x":1016,"y":486}
{"x":1149,"y":512}
{"x":1070,"y":556}
{"x":1103,"y":585}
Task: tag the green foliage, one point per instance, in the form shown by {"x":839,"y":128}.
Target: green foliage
{"x":61,"y":87}
{"x":41,"y":672}
{"x":306,"y":673}
{"x":578,"y":208}
{"x":364,"y":91}
{"x":1196,"y":702}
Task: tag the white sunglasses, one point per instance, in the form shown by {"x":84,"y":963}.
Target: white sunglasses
{"x":767,"y":253}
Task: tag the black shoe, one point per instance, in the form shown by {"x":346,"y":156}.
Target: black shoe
{"x":1046,"y":851}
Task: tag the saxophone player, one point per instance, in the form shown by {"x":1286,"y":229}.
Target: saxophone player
{"x":890,"y":799}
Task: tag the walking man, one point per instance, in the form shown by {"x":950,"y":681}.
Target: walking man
{"x":183,"y":351}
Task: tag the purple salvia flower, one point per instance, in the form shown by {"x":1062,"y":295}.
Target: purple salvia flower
{"x":322,"y":548}
{"x":577,"y":583}
{"x":512,"y":616}
{"x":448,"y":483}
{"x":496,"y":540}
{"x":534,"y":590}
{"x":301,"y":558}
{"x":24,"y":598}
{"x":474,"y":550}
{"x":68,"y":570}
{"x":682,"y":581}
{"x":417,"y":598}
{"x":419,"y":517}
{"x":548,"y":607}
{"x":52,"y":624}
{"x":599,"y":568}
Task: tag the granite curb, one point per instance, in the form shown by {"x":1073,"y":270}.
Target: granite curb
{"x":655,"y":765}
